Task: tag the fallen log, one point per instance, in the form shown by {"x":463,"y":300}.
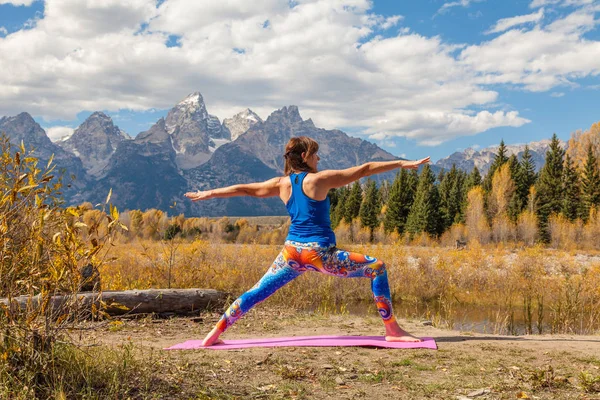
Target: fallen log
{"x":172,"y":301}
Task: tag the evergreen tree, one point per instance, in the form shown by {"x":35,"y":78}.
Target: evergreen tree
{"x":499,"y":159}
{"x":524,"y":179}
{"x":515,"y":203}
{"x":458,"y":196}
{"x":549,"y":187}
{"x":333,"y":197}
{"x":424,"y":213}
{"x":352,"y":206}
{"x":337,"y":210}
{"x":571,"y":191}
{"x":370,"y":207}
{"x":448,"y":206}
{"x":474,"y":179}
{"x":413,"y":181}
{"x":400,"y":199}
{"x":441,"y":175}
{"x":590,"y":184}
{"x":514,"y":166}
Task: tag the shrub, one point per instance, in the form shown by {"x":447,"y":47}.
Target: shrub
{"x":41,"y":254}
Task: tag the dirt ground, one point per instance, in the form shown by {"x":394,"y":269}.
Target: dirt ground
{"x":465,"y":366}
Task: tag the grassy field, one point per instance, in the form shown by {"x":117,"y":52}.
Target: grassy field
{"x":541,"y":290}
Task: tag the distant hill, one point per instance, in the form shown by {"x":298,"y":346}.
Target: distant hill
{"x":482,"y":159}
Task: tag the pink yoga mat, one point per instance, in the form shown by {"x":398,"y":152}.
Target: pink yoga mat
{"x":309,"y":341}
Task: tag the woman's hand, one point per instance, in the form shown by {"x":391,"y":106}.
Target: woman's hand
{"x":198,"y":195}
{"x":415,"y":164}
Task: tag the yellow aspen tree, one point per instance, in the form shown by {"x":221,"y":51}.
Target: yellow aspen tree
{"x":527,"y":227}
{"x":476,"y":221}
{"x":503,"y":188}
{"x":579,"y":143}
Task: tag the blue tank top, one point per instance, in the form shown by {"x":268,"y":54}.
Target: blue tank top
{"x":310,"y":218}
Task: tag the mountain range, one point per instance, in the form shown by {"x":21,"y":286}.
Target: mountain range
{"x":191,"y":149}
{"x":482,"y":159}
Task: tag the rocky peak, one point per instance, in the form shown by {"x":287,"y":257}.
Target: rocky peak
{"x":188,"y":111}
{"x":99,"y":126}
{"x":266,"y":141}
{"x":23,"y":127}
{"x":94,"y":141}
{"x":157,"y":134}
{"x":287,"y":116}
{"x":241,"y":122}
{"x":194,"y":132}
{"x":103,"y":124}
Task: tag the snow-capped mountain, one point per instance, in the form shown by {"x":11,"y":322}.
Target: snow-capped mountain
{"x":240,"y":123}
{"x":192,"y":131}
{"x":482,"y":159}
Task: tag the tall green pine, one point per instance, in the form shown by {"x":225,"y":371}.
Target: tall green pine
{"x":400,"y":199}
{"x":590,"y":184}
{"x":424,"y":214}
{"x":474,"y":179}
{"x":352,"y":206}
{"x":572,"y":199}
{"x":514,"y":203}
{"x":458,"y":197}
{"x":370,"y":208}
{"x":549,"y":187}
{"x":448,"y":205}
{"x":338,"y":208}
{"x":525,"y":178}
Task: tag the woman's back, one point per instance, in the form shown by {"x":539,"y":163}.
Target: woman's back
{"x":309,"y":217}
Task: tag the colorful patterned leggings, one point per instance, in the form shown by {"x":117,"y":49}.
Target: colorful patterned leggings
{"x":295,"y":259}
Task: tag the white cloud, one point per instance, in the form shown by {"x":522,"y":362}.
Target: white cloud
{"x":542,"y":3}
{"x":391,"y":21}
{"x":321,"y":55}
{"x":507,"y":23}
{"x":426,"y":126}
{"x":3,"y":30}
{"x":541,"y":58}
{"x":557,"y":94}
{"x":79,"y":19}
{"x":460,"y":3}
{"x":57,"y":133}
{"x":563,"y":3}
{"x":26,"y":3}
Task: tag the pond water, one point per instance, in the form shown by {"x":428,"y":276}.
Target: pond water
{"x":475,"y":318}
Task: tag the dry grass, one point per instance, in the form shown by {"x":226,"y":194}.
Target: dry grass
{"x":548,"y":290}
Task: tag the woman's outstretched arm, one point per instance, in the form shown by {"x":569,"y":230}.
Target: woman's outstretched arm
{"x":336,"y":178}
{"x":268,"y":188}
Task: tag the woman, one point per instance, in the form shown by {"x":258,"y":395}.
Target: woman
{"x":310,"y":244}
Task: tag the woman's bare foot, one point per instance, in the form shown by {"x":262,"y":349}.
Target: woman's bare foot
{"x":393,"y":333}
{"x":212,"y":338}
{"x":403,"y":338}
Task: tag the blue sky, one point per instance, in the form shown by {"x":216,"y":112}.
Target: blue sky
{"x":417,"y":78}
